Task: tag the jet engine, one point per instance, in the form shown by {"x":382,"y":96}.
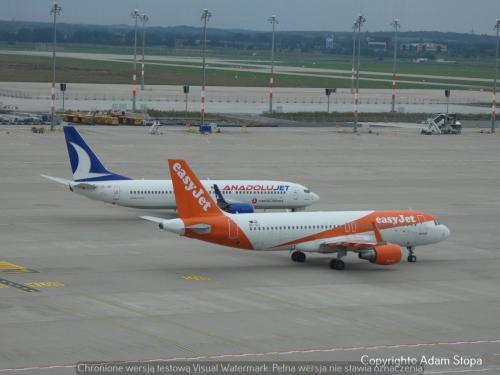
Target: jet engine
{"x":382,"y":254}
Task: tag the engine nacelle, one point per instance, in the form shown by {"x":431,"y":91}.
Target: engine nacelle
{"x":240,"y":208}
{"x":383,"y":254}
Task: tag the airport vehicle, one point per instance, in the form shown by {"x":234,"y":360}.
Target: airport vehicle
{"x":376,"y":236}
{"x":94,"y":181}
{"x":442,"y":123}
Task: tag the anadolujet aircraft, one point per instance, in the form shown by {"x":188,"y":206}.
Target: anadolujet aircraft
{"x":94,"y":181}
{"x":376,"y":236}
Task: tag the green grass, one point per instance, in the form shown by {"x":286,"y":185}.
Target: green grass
{"x":20,"y":68}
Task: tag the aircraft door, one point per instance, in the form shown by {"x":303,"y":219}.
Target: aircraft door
{"x":116,"y":193}
{"x":233,"y":230}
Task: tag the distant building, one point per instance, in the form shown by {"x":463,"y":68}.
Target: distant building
{"x":424,"y":47}
{"x":378,"y":44}
{"x":329,"y":42}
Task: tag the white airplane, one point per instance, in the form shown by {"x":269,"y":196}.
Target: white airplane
{"x":376,"y":236}
{"x":93,"y":180}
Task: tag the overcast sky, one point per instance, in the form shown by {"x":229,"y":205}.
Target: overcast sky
{"x":335,"y":15}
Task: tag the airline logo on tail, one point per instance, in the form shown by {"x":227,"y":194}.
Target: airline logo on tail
{"x":189,"y":185}
{"x":191,"y":197}
{"x":85,"y":165}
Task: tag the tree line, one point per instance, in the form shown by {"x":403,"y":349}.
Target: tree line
{"x":459,"y":45}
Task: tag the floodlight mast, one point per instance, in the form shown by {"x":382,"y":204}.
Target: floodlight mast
{"x":354,"y":27}
{"x":144,"y":20}
{"x":359,"y":22}
{"x":273,"y":20}
{"x":55,"y":11}
{"x":494,"y":104}
{"x":396,"y":25}
{"x":205,"y":17}
{"x":136,"y":16}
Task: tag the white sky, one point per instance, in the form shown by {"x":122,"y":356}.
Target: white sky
{"x":334,"y":15}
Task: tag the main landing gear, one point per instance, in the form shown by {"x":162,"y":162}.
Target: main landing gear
{"x":411,"y":257}
{"x":298,"y":256}
{"x":337,"y":264}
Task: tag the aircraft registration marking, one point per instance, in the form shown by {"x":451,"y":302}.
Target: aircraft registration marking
{"x":196,"y":278}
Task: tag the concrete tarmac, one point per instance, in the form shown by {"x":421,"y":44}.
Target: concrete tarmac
{"x":81,"y":280}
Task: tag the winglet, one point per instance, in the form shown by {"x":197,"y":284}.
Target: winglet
{"x":191,"y":197}
{"x":378,"y":236}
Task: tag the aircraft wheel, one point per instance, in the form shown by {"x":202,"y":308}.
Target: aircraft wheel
{"x":412,"y":258}
{"x":337,"y":264}
{"x":298,"y":256}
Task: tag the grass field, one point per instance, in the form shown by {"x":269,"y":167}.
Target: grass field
{"x":72,"y":70}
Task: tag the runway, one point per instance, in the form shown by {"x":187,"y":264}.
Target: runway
{"x":88,"y":281}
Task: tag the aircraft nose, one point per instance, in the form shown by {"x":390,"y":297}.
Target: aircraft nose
{"x":315,"y":197}
{"x":445,"y":231}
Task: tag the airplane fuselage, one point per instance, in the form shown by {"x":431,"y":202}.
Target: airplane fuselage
{"x":159,"y":194}
{"x":309,"y":231}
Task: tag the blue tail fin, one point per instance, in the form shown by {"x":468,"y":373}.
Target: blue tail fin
{"x":84,"y":163}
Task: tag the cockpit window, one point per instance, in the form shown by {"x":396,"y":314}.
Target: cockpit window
{"x":307,"y":191}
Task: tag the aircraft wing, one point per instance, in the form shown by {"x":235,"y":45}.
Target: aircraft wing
{"x":353,"y":242}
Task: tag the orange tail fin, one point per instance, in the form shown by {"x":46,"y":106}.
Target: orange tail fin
{"x":191,"y":197}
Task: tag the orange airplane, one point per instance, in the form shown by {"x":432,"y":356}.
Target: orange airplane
{"x":376,"y":236}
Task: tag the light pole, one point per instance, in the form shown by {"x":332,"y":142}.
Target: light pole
{"x":274,"y":21}
{"x":494,"y":106}
{"x":55,"y":11}
{"x":354,"y":27}
{"x":359,"y":22}
{"x":144,"y":19}
{"x":205,"y":17}
{"x":396,"y":26}
{"x":136,"y":16}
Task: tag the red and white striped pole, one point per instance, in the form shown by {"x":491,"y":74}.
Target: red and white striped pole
{"x":53,"y":100}
{"x":494,"y":109}
{"x":396,"y":24}
{"x":55,"y":11}
{"x":205,"y":16}
{"x":274,"y":21}
{"x":136,"y":16}
{"x":144,"y":19}
{"x":494,"y":101}
{"x":134,"y":88}
{"x":202,"y":103}
{"x":356,"y":109}
{"x":393,"y":97}
{"x":271,"y":82}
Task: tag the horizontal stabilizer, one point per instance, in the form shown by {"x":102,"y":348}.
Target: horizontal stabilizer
{"x":58,"y":179}
{"x":153,"y":219}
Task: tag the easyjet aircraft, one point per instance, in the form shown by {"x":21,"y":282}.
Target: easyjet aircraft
{"x":376,"y":236}
{"x":94,"y":181}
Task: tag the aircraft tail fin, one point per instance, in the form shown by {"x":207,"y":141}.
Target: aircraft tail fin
{"x":191,"y":197}
{"x":85,"y":165}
